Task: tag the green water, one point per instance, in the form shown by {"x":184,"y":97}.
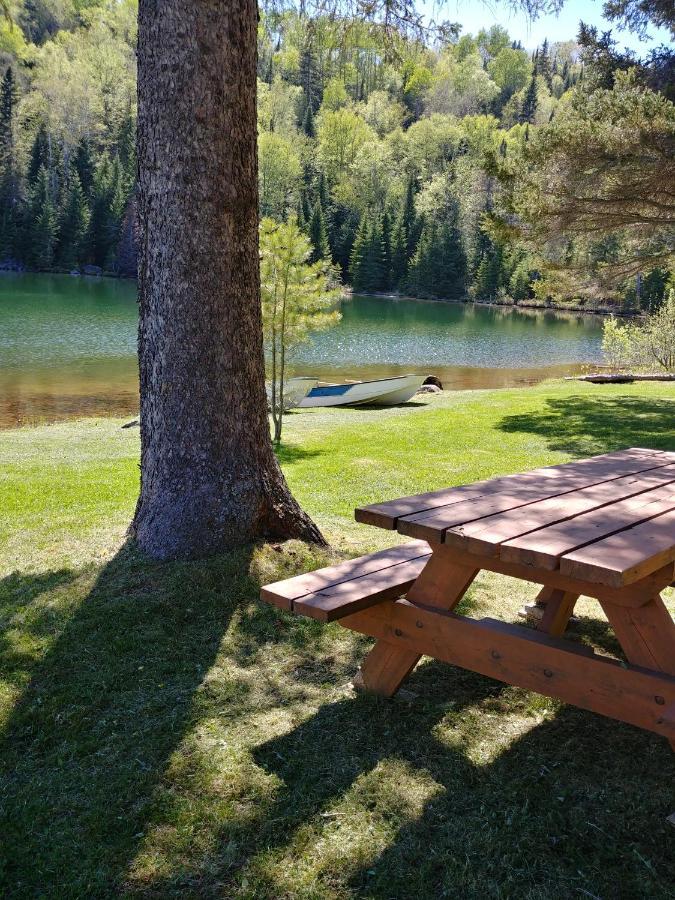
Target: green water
{"x":67,"y":345}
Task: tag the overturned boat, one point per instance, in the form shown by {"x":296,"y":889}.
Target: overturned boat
{"x":382,"y":392}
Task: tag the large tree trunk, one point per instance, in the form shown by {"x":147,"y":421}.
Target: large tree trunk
{"x":209,"y":478}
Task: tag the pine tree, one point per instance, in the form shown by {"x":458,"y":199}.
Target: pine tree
{"x":399,"y":255}
{"x":9,"y":177}
{"x":73,"y":225}
{"x":487,"y":280}
{"x":84,"y":166}
{"x":386,"y":252}
{"x":542,"y":65}
{"x":42,"y":224}
{"x":367,"y":260}
{"x":345,"y":226}
{"x":529,"y":104}
{"x":421,"y":276}
{"x":39,"y":155}
{"x":309,"y":77}
{"x":317,"y":235}
{"x":308,"y":125}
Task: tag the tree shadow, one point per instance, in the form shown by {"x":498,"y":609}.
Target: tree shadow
{"x":589,"y":425}
{"x":101,"y":713}
{"x":287,"y":454}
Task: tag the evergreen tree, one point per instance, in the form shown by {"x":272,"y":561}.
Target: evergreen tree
{"x":367,"y":262}
{"x":318,"y":235}
{"x":488,"y":275}
{"x":73,"y":225}
{"x":308,"y":125}
{"x":39,"y":155}
{"x":42,"y":224}
{"x":345,"y":226}
{"x":309,"y":77}
{"x":84,"y":166}
{"x":399,"y":255}
{"x":386,"y":253}
{"x":529,"y":105}
{"x":542,"y":64}
{"x":9,"y":176}
{"x":419,"y":280}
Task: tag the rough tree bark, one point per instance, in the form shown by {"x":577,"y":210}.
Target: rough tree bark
{"x":209,"y":477}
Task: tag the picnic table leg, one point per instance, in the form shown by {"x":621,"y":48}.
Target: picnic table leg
{"x":558,"y":609}
{"x":441,"y":584}
{"x":646,"y":634}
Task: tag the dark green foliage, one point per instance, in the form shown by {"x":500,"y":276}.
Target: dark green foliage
{"x":438,"y":266}
{"x":318,"y":235}
{"x":41,"y":225}
{"x":488,"y":278}
{"x":73,"y":225}
{"x":345,"y":223}
{"x":84,"y":166}
{"x":529,"y":106}
{"x":309,"y":75}
{"x":367,"y":267}
{"x":39,"y":155}
{"x":308,"y":122}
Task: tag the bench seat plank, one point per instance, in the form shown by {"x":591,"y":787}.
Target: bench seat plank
{"x":284,"y":593}
{"x":349,"y":597}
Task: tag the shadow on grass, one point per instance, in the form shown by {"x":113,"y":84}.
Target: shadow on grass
{"x":388,"y":799}
{"x":287,"y":454}
{"x":102,"y":712}
{"x":588,"y":425}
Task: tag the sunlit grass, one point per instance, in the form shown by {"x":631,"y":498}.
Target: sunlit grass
{"x":166,"y":735}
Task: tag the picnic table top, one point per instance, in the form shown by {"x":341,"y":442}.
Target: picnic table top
{"x":609,"y":519}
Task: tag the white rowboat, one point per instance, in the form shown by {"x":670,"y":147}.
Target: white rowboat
{"x":383,"y":392}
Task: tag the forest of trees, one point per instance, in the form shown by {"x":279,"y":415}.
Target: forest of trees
{"x":411,"y":166}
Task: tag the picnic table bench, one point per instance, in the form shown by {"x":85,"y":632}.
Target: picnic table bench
{"x":602,"y":527}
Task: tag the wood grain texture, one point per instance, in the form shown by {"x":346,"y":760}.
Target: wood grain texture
{"x":527,"y":659}
{"x":487,"y":534}
{"x":625,"y":558}
{"x":592,"y":470}
{"x":283,"y":593}
{"x":545,"y":547}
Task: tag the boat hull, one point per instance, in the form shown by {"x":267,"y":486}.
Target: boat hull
{"x":383,"y":392}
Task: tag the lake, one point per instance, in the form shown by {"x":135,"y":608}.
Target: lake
{"x":67,"y":345}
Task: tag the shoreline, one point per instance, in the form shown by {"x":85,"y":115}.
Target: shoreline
{"x":533,"y":307}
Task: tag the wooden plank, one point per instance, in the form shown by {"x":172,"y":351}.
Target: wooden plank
{"x":557,"y":612}
{"x":485,"y":535}
{"x":636,"y":594}
{"x":646,"y":634}
{"x":545,"y":547}
{"x":283,"y":593}
{"x":607,"y":466}
{"x":527,"y":659}
{"x":626,"y":557}
{"x":340,"y":600}
{"x":385,"y":668}
{"x":433,"y":526}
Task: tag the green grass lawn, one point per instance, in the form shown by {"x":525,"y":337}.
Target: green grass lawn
{"x":163,"y":734}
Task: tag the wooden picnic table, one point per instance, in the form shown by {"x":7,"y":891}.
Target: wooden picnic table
{"x":602,"y":527}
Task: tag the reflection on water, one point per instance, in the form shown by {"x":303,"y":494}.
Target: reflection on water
{"x":67,"y":345}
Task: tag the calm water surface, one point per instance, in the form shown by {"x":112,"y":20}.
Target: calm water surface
{"x":67,"y":345}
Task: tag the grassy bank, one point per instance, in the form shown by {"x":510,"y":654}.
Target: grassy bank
{"x":163,"y":734}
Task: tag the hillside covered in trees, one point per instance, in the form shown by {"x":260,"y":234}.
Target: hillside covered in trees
{"x":417,"y":165}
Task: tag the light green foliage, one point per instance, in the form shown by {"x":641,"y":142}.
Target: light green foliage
{"x":648,"y":344}
{"x":298,"y":297}
{"x":461,"y":87}
{"x":278,"y":107}
{"x":335,"y":94}
{"x":510,"y":70}
{"x":382,"y":113}
{"x":341,"y":134}
{"x":279,"y":173}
